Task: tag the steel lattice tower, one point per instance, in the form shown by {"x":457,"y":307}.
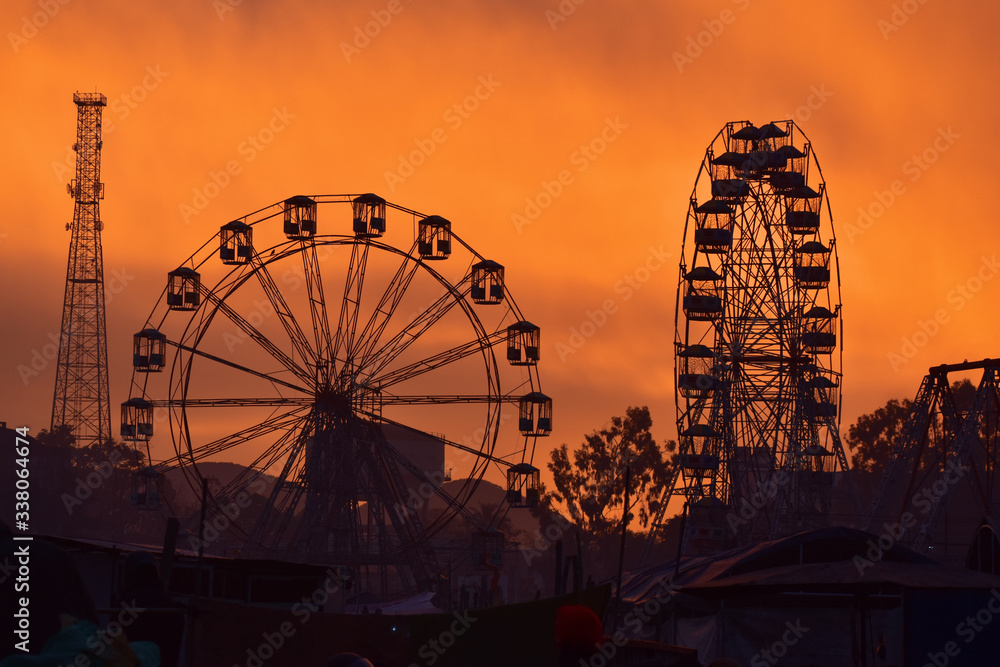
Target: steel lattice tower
{"x":81,"y":397}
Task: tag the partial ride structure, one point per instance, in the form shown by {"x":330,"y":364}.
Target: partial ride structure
{"x":942,"y":485}
{"x":81,"y":397}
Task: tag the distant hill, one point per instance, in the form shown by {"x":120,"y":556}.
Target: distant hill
{"x":487,"y":493}
{"x":188,"y":498}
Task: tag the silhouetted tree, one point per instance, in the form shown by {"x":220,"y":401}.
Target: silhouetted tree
{"x":591,"y":483}
{"x":90,"y":488}
{"x":874,"y":436}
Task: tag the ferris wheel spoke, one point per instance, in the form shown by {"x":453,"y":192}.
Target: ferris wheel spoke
{"x":317,"y":310}
{"x":263,"y":341}
{"x":229,"y":402}
{"x":278,"y":304}
{"x":254,"y":470}
{"x":231,"y":364}
{"x":455,"y":502}
{"x":342,"y":346}
{"x":442,"y":399}
{"x":485,"y":456}
{"x":437,"y":361}
{"x":399,"y":343}
{"x":282,"y":500}
{"x":277,"y":422}
{"x":386,"y":308}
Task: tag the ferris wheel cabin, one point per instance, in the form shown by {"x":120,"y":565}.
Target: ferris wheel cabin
{"x":523,"y":343}
{"x":235,"y":242}
{"x":701,"y":437}
{"x":146,"y":489}
{"x":523,"y":485}
{"x":819,"y":404}
{"x":488,"y":547}
{"x":802,"y":206}
{"x":137,"y":419}
{"x":812,"y":265}
{"x":183,"y":289}
{"x":535,"y":414}
{"x":714,"y":234}
{"x":727,"y":181}
{"x":149,"y":348}
{"x":793,"y":174}
{"x":819,"y":331}
{"x":694,"y":375}
{"x":369,"y":215}
{"x":300,"y":217}
{"x":487,"y":282}
{"x":703,"y":294}
{"x":434,"y":237}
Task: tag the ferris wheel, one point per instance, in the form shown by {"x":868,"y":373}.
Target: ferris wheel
{"x":349,"y":377}
{"x":757,"y":343}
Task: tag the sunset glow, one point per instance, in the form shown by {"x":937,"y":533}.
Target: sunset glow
{"x":561,"y":139}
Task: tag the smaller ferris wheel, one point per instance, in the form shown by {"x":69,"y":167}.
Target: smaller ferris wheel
{"x":350,"y":377}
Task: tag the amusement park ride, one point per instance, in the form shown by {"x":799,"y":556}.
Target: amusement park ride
{"x":946,"y":456}
{"x":329,"y":364}
{"x":758,"y":357}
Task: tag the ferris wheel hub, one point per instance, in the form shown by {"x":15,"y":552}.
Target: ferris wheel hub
{"x":334,"y":401}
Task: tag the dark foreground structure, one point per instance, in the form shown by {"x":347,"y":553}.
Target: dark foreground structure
{"x":830,"y":597}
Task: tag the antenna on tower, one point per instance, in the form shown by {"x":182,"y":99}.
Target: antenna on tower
{"x":81,"y":397}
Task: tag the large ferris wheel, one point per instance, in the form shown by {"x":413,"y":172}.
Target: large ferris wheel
{"x":757,"y":344}
{"x":349,"y":377}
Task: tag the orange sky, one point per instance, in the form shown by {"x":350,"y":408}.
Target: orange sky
{"x":189,"y":86}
